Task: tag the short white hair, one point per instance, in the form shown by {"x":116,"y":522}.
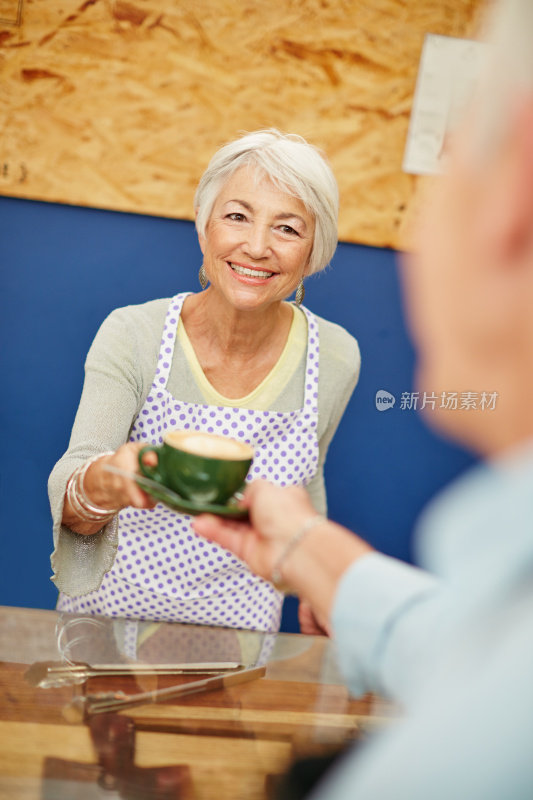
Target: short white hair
{"x":292,"y":164}
{"x":508,"y":30}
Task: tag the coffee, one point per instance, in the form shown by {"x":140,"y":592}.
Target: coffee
{"x":203,"y":467}
{"x":209,"y":445}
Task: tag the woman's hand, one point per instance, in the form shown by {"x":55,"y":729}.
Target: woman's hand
{"x":309,"y":624}
{"x":110,"y":490}
{"x":105,"y":489}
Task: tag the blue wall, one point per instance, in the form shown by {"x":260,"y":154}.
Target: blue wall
{"x":64,"y":268}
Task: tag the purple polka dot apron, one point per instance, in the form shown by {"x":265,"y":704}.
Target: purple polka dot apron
{"x":163,"y":570}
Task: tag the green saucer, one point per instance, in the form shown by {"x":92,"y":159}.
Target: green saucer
{"x":231,"y":510}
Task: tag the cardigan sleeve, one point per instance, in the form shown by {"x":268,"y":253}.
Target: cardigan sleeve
{"x":340,"y":365}
{"x":117,"y":380}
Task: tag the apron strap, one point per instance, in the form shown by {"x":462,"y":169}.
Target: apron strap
{"x":312,"y":364}
{"x":168,"y":341}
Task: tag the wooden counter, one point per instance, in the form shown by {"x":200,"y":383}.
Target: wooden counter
{"x":225,"y":744}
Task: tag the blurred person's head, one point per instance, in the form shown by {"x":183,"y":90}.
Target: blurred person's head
{"x":469,"y":284}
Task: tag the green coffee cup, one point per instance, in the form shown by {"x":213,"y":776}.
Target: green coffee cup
{"x":202,"y":467}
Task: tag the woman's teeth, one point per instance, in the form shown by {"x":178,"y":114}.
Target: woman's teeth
{"x":250,"y":273}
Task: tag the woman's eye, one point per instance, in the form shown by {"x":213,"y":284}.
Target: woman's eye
{"x":289,"y":230}
{"x":236,"y":216}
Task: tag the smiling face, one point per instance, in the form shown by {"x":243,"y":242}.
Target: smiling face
{"x":258,"y":241}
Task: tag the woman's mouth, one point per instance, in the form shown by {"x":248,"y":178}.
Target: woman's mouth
{"x":246,"y":272}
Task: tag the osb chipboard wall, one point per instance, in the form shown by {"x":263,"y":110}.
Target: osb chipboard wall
{"x":120,"y":105}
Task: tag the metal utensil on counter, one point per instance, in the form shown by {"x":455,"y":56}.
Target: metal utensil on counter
{"x":51,"y":674}
{"x":104,"y":702}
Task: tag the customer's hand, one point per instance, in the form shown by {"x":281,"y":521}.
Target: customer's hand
{"x":275,"y":515}
{"x":312,"y":568}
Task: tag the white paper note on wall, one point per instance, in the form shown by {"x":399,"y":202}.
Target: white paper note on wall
{"x":448,"y":73}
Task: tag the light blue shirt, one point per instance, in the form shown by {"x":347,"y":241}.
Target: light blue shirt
{"x":455,"y":646}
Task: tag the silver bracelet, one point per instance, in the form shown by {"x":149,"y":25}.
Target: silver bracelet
{"x":80,"y":485}
{"x":75,"y":502}
{"x":277,"y":577}
{"x":78,"y":497}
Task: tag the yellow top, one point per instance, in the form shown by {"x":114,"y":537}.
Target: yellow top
{"x":264,"y":395}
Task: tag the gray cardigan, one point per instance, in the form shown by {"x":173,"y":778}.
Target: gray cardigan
{"x":119,"y":371}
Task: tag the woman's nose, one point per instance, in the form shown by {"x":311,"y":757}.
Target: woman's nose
{"x":257,"y":243}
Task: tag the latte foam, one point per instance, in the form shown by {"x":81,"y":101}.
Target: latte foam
{"x":209,"y":445}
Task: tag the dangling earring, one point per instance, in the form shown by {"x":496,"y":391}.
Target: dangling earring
{"x":202,"y":277}
{"x":300,"y":293}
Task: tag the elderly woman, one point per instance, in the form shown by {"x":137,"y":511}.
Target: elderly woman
{"x":235,"y":358}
